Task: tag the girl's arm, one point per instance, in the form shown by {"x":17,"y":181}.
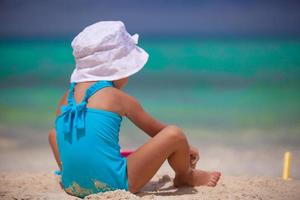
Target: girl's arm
{"x":53,"y":145}
{"x":52,"y":133}
{"x":135,"y":113}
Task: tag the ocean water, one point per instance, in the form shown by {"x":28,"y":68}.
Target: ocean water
{"x":237,"y":100}
{"x":213,"y":84}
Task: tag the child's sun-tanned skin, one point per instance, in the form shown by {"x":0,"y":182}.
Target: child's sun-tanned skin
{"x":166,"y":142}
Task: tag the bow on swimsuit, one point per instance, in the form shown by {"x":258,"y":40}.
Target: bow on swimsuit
{"x":88,"y":144}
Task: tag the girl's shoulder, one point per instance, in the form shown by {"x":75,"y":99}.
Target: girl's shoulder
{"x":111,"y":93}
{"x":111,"y":99}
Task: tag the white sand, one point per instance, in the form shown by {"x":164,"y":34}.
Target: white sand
{"x":34,"y":185}
{"x":27,"y":165}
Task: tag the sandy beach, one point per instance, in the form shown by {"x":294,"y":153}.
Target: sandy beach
{"x":226,"y":72}
{"x":34,"y":185}
{"x":27,"y":166}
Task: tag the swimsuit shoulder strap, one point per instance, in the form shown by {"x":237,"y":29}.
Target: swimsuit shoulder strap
{"x":75,"y":112}
{"x":95,"y":88}
{"x":71,"y":100}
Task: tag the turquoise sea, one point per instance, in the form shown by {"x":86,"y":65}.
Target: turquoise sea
{"x":196,"y":83}
{"x":237,"y":100}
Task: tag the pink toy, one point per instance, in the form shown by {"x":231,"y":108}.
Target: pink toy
{"x":126,"y":153}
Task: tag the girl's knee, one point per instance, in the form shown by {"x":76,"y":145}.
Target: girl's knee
{"x":175,"y":132}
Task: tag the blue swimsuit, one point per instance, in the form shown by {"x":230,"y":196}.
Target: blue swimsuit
{"x":88,"y":144}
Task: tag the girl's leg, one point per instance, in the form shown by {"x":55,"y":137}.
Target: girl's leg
{"x":171,"y":144}
{"x":53,"y":144}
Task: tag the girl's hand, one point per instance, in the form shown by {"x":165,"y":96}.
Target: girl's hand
{"x":194,"y":156}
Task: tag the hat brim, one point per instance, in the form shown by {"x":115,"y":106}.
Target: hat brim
{"x":126,"y":66}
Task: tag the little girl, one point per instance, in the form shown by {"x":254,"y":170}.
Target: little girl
{"x":85,"y":140}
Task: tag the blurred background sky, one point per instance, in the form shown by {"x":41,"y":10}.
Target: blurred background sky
{"x":227,"y":72}
{"x":34,"y":18}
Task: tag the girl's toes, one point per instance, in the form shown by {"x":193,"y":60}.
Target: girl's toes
{"x":215,"y":176}
{"x":214,"y":179}
{"x":211,"y":183}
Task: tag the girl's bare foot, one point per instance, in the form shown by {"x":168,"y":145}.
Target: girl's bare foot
{"x":197,"y":177}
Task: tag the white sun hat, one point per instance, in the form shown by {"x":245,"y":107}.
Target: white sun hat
{"x":106,"y":51}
